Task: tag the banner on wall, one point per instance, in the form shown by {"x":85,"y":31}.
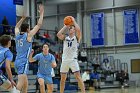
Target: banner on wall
{"x":97,"y":29}
{"x":131,"y":29}
{"x":9,"y":10}
{"x":18,"y":2}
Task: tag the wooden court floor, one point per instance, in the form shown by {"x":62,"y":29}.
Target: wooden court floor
{"x":118,"y":90}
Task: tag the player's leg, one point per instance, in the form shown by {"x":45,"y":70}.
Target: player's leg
{"x":64,"y":69}
{"x":49,"y":82}
{"x":6,"y":84}
{"x":25,"y":85}
{"x":41,"y":82}
{"x":42,"y":86}
{"x":62,"y":82}
{"x":76,"y":70}
{"x":80,"y":81}
{"x":22,"y":70}
{"x":50,"y":88}
{"x":22,"y":81}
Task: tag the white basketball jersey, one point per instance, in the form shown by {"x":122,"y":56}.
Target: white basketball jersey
{"x":70,"y":48}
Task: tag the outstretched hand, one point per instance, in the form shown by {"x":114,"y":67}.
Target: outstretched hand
{"x":23,"y":16}
{"x":41,"y":9}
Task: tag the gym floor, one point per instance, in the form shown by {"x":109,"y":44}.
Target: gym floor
{"x":119,"y":90}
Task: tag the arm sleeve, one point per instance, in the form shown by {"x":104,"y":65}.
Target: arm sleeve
{"x":36,"y":57}
{"x":9,"y":55}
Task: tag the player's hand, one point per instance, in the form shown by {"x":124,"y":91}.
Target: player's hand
{"x":13,"y":83}
{"x":73,"y":19}
{"x":32,"y":51}
{"x":66,"y":26}
{"x":23,"y":16}
{"x":41,"y":9}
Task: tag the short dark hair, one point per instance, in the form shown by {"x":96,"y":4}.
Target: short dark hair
{"x":4,"y":39}
{"x":24,"y":27}
{"x":46,"y":44}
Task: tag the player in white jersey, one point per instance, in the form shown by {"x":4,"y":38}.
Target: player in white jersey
{"x":69,"y":56}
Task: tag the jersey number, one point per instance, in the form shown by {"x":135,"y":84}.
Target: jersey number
{"x":20,"y":42}
{"x":69,"y":44}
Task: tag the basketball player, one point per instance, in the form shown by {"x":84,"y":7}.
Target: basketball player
{"x":6,"y":56}
{"x":46,"y":63}
{"x":69,"y":57}
{"x":23,"y":47}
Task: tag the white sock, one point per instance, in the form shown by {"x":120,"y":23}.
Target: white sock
{"x":17,"y":91}
{"x":14,"y":90}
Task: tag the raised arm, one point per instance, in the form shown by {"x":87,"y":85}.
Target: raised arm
{"x":19,"y":24}
{"x":61,"y":33}
{"x":77,"y":28}
{"x":37,"y":27}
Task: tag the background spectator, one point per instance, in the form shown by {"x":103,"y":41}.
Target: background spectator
{"x":95,"y":78}
{"x":5,"y":25}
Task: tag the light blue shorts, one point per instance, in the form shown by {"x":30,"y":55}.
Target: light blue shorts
{"x":47,"y":78}
{"x":22,"y":66}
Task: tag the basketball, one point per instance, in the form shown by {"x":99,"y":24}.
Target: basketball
{"x":68,"y":20}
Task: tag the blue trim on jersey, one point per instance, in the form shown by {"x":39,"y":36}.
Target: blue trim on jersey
{"x":28,"y":53}
{"x":25,"y":68}
{"x":26,"y":65}
{"x":2,"y":79}
{"x":1,"y":63}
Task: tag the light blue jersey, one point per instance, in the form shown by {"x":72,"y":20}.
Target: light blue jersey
{"x":23,"y":49}
{"x":5,"y":54}
{"x":45,"y":62}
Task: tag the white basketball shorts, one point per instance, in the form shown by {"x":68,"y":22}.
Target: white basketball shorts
{"x":71,"y":64}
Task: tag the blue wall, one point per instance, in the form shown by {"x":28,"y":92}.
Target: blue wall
{"x":8,"y":9}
